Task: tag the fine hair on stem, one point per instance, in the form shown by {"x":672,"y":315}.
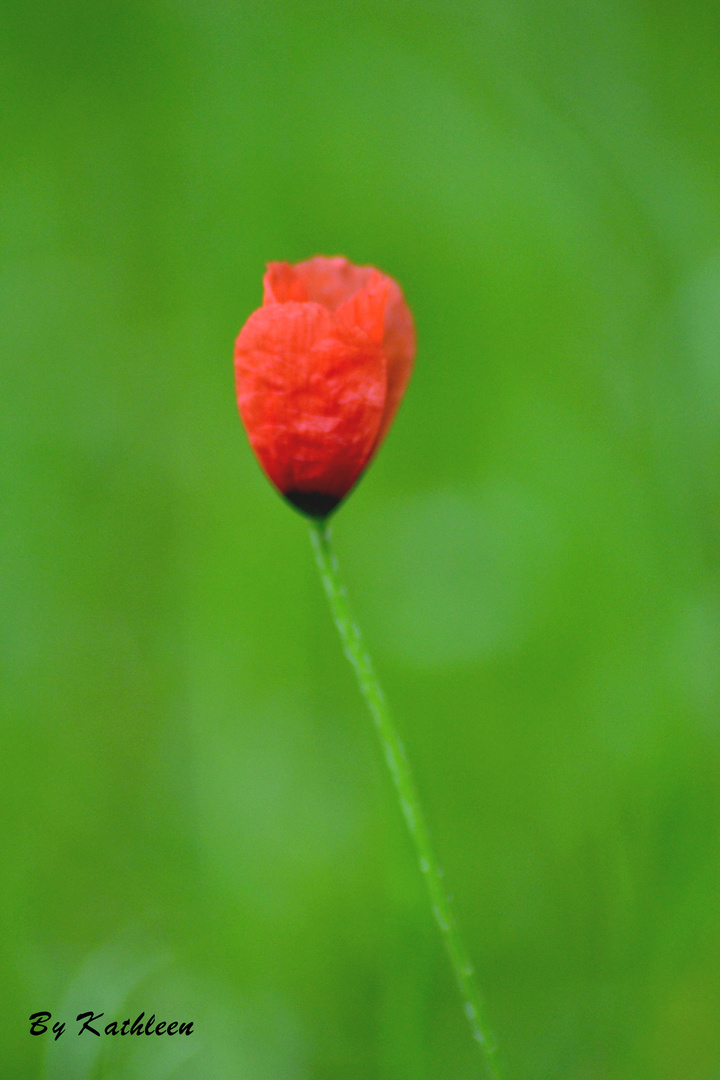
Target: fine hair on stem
{"x":394,"y":754}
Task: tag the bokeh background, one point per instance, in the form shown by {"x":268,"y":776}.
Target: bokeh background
{"x":196,"y":821}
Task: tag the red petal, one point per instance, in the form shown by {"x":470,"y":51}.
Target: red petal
{"x":399,"y":349}
{"x":366,"y":308}
{"x":353,"y":291}
{"x":311,"y":392}
{"x":326,"y":281}
{"x":281,"y":284}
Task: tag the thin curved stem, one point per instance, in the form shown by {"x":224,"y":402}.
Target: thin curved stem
{"x":394,"y":753}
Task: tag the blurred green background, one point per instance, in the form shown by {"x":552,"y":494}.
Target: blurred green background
{"x":196,"y":821}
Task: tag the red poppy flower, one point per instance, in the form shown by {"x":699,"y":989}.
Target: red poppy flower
{"x":320,"y":370}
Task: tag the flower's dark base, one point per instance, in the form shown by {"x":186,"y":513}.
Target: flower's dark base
{"x":313,"y":503}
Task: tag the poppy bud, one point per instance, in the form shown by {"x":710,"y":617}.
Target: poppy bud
{"x":320,"y":370}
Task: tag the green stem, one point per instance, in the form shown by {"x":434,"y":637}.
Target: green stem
{"x":405,"y":785}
